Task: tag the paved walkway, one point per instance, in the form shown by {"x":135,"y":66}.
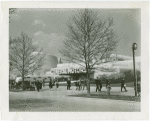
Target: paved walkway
{"x":68,"y":100}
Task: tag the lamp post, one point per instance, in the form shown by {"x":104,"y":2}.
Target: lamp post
{"x":134,"y":47}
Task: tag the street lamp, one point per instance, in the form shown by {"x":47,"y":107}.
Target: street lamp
{"x":134,"y":47}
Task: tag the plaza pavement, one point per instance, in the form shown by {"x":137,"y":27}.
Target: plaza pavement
{"x":72,"y":100}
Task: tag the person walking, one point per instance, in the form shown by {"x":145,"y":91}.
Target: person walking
{"x":35,"y":82}
{"x":50,"y":83}
{"x":84,"y":84}
{"x":44,"y":82}
{"x":97,"y":85}
{"x":123,"y":84}
{"x":79,"y":82}
{"x":107,"y":82}
{"x":108,"y":89}
{"x":38,"y":85}
{"x":68,"y":84}
{"x":76,"y":85}
{"x":57,"y":84}
{"x":53,"y":82}
{"x":100,"y":85}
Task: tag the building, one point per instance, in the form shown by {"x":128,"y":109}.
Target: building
{"x":116,"y":64}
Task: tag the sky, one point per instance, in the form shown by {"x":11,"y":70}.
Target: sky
{"x":48,"y":27}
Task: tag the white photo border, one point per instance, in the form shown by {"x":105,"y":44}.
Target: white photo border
{"x":4,"y":63}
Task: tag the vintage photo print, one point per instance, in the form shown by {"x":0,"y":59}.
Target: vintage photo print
{"x":61,"y":60}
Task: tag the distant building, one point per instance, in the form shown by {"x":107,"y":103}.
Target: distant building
{"x":51,"y":62}
{"x":115,"y":64}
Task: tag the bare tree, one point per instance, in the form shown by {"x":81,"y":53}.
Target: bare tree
{"x":89,"y":40}
{"x":25,"y":55}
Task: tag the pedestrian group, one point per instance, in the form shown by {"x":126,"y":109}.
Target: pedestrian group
{"x":81,"y":84}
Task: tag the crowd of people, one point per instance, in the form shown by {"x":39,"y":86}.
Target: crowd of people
{"x":80,"y":84}
{"x":98,"y":83}
{"x":53,"y":82}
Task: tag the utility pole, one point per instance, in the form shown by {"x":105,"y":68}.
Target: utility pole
{"x":134,"y":47}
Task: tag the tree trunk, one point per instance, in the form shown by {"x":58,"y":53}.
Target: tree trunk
{"x":88,"y":83}
{"x":22,"y":81}
{"x":88,"y":87}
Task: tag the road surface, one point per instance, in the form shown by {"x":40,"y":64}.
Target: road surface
{"x":66,"y":100}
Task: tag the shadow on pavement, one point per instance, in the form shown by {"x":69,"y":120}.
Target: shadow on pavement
{"x":111,"y":97}
{"x":29,"y":104}
{"x":20,"y":90}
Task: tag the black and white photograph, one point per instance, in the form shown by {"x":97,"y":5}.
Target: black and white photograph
{"x":74,"y":59}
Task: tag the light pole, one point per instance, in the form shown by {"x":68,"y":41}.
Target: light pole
{"x":134,"y":47}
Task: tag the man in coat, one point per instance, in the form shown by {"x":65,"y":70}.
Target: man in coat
{"x":97,"y":84}
{"x":76,"y":85}
{"x":107,"y":82}
{"x":100,"y":85}
{"x":57,"y":84}
{"x":79,"y":82}
{"x":83,"y":84}
{"x":68,"y":84}
{"x":38,"y":85}
{"x":123,"y":84}
{"x":44,"y":82}
{"x":50,"y":83}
